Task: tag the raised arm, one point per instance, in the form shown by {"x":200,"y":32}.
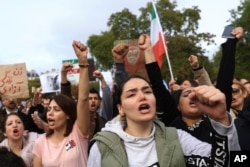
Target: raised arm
{"x":83,"y":118}
{"x":119,"y":52}
{"x":212,"y":102}
{"x":65,"y":84}
{"x":227,"y":66}
{"x":106,"y":108}
{"x":200,"y":73}
{"x":166,"y":106}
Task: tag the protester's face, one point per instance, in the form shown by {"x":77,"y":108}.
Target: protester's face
{"x":11,"y":104}
{"x":187,"y":106}
{"x":138,"y":103}
{"x":185,"y":84}
{"x":94,"y":102}
{"x":247,"y":86}
{"x":46,"y":103}
{"x":238,"y":97}
{"x":28,"y":104}
{"x":57,"y":119}
{"x":14,"y":127}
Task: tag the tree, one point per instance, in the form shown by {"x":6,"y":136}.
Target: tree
{"x":240,"y":17}
{"x":180,"y":27}
{"x":33,"y":83}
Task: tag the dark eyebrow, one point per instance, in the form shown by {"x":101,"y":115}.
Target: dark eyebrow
{"x":146,"y":87}
{"x":135,"y":89}
{"x":187,"y":91}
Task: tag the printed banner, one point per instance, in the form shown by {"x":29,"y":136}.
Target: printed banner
{"x":73,"y":75}
{"x":14,"y":81}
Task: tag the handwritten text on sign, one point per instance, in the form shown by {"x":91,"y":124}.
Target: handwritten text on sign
{"x":14,"y":81}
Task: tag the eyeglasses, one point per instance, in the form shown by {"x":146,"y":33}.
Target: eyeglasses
{"x":235,"y":90}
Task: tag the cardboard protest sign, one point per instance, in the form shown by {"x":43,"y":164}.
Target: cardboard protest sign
{"x":134,"y":60}
{"x":14,"y":81}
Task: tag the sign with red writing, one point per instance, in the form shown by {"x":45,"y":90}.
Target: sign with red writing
{"x":73,"y":75}
{"x":14,"y":81}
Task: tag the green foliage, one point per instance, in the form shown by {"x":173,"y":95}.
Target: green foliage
{"x":33,"y":83}
{"x":240,"y":17}
{"x":179,"y":26}
{"x":100,"y":47}
{"x":124,"y":25}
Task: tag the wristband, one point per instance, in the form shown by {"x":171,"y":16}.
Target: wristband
{"x":83,"y":65}
{"x":196,"y":69}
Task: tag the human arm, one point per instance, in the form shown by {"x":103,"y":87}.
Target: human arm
{"x":119,"y":52}
{"x":227,"y":65}
{"x":83,"y":117}
{"x":165,"y":104}
{"x":37,"y":162}
{"x":35,"y":106}
{"x":173,"y":86}
{"x":39,"y":122}
{"x":212,"y":102}
{"x":65,"y":84}
{"x":200,"y":73}
{"x":106,"y":108}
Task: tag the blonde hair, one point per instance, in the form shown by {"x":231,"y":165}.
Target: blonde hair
{"x":241,"y":86}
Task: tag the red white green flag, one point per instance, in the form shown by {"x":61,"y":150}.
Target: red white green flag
{"x":157,"y":37}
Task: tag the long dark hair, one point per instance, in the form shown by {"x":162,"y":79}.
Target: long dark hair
{"x":7,"y":116}
{"x":68,"y":106}
{"x":119,"y":92}
{"x":9,"y":158}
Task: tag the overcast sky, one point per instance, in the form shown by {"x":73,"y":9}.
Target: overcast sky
{"x":40,"y":32}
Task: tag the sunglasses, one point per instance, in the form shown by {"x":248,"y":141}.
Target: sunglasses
{"x":235,"y":90}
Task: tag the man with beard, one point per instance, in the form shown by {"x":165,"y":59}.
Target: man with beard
{"x":96,"y":121}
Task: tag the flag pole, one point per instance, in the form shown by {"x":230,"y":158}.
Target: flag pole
{"x":162,"y":36}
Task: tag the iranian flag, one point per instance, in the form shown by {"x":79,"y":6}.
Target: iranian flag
{"x":157,"y":37}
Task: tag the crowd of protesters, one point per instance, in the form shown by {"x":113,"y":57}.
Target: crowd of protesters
{"x":140,"y":122}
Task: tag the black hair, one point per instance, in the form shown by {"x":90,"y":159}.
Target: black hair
{"x":7,"y":116}
{"x":10,"y":159}
{"x":176,"y":96}
{"x":94,"y":91}
{"x":192,"y":82}
{"x":68,"y":106}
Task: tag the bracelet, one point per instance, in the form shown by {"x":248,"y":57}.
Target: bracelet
{"x":83,"y":65}
{"x":198,"y":68}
